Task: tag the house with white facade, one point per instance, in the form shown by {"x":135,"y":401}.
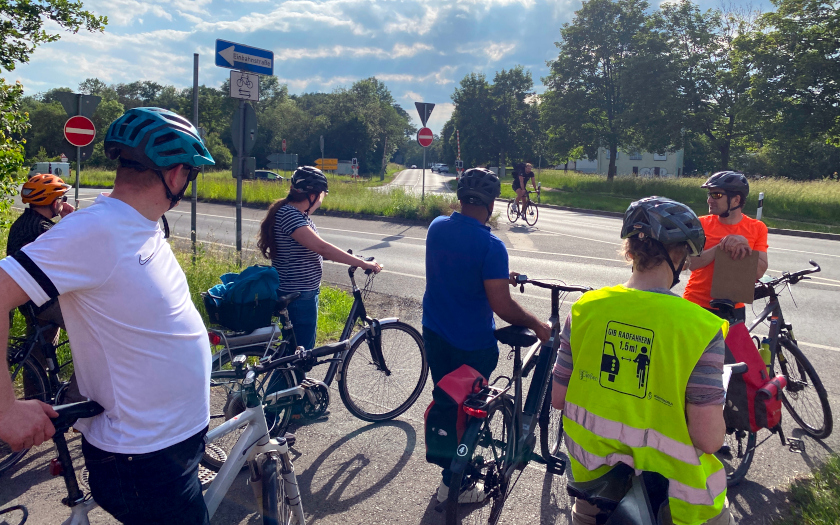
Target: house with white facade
{"x":643,"y":164}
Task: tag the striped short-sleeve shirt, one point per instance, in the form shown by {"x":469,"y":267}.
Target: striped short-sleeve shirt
{"x":299,"y":267}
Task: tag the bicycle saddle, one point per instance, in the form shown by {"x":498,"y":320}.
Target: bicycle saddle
{"x":516,"y":336}
{"x":285,"y":301}
{"x":68,"y":414}
{"x":720,"y":304}
{"x":606,"y":491}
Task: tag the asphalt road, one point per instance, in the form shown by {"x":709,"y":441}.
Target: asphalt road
{"x":415,"y":181}
{"x":352,"y":472}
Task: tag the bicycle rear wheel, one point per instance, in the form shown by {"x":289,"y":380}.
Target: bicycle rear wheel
{"x":512,"y":211}
{"x":482,"y":457}
{"x":226,"y":403}
{"x":531,"y":213}
{"x":737,"y":454}
{"x":373,"y":394}
{"x":805,"y":396}
{"x":29,"y":381}
{"x":551,"y":427}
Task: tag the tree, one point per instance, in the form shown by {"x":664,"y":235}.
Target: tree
{"x":606,"y":87}
{"x":24,"y":25}
{"x":514,"y":121}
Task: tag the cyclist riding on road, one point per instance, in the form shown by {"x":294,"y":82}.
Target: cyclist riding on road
{"x":467,"y":280}
{"x":639,"y":372}
{"x":140,"y":348}
{"x":520,"y":181}
{"x":727,"y":229}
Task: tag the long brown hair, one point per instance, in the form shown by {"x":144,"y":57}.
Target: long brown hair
{"x":265,"y":239}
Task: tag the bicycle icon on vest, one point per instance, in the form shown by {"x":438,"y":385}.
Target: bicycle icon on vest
{"x":624,"y":342}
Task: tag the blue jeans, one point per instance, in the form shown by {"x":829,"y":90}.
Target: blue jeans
{"x":304,"y":316}
{"x":444,"y":358}
{"x":156,"y":488}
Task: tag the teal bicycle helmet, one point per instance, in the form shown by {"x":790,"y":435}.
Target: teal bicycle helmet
{"x":156,"y":138}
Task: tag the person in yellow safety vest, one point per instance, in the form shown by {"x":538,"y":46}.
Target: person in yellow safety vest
{"x":640,"y":377}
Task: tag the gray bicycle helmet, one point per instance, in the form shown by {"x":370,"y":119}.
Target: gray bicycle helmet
{"x":309,"y":179}
{"x":478,"y":186}
{"x":732,"y":183}
{"x":665,"y":221}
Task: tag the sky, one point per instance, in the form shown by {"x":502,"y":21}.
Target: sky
{"x":420,"y":49}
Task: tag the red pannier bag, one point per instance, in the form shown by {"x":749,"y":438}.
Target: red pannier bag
{"x":753,"y":399}
{"x":445,"y":419}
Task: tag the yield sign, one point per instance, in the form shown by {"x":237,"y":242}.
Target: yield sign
{"x":79,"y":131}
{"x":425,"y":137}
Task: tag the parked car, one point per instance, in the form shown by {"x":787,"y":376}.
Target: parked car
{"x":443,"y":168}
{"x":269,"y":175}
{"x":414,"y":166}
{"x":435,"y":166}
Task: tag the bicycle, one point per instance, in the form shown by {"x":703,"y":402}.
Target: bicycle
{"x":272,"y":474}
{"x":370,"y":385}
{"x":804,"y":387}
{"x":530,"y":212}
{"x":499,"y":437}
{"x":31,"y":380}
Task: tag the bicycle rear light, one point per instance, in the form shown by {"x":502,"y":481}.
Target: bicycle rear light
{"x":475,"y":412}
{"x":215,"y":339}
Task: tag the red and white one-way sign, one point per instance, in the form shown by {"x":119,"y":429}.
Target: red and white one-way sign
{"x":79,"y":131}
{"x":425,"y":137}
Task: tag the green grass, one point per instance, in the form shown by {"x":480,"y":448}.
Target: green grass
{"x":816,"y":501}
{"x":346,"y":195}
{"x":812,"y":205}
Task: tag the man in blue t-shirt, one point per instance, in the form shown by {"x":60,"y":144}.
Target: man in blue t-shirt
{"x":467,"y":282}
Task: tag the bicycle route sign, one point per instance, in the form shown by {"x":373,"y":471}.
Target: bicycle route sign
{"x":244,"y":85}
{"x":425,"y":137}
{"x":79,"y":131}
{"x":245,"y":58}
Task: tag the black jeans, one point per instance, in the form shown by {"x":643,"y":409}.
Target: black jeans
{"x":156,"y":488}
{"x":444,"y":358}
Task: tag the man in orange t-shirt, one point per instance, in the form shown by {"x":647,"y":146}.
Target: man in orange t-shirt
{"x":727,"y":229}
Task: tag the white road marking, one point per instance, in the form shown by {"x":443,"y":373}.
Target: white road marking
{"x":802,"y":251}
{"x":821,"y":347}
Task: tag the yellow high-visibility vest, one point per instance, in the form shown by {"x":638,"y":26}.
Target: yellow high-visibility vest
{"x":633,"y":353}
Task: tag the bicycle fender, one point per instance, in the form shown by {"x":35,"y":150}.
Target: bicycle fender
{"x":361,"y":333}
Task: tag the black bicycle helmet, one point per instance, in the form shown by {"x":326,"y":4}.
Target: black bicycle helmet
{"x":478,"y":186}
{"x":732,"y":183}
{"x":309,"y":179}
{"x":666,"y":221}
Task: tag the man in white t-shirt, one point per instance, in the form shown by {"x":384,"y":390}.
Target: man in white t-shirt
{"x":140,"y":348}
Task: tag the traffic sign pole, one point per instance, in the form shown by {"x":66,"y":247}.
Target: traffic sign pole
{"x":194,"y":197}
{"x":241,"y":161}
{"x":458,"y":139}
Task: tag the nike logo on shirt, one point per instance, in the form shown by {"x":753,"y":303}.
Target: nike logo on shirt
{"x":147,"y":259}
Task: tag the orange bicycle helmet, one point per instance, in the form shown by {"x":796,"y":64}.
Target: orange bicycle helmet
{"x":43,"y":189}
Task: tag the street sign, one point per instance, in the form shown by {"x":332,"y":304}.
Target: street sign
{"x":354,"y":162}
{"x":79,"y":131}
{"x":250,"y":166}
{"x":250,"y":128}
{"x":425,"y":137}
{"x":246,"y":58}
{"x":64,"y":158}
{"x":284,"y":145}
{"x":459,"y":164}
{"x":244,"y":85}
{"x":70,"y":103}
{"x":283,"y":161}
{"x":424,"y":109}
{"x":326,"y":164}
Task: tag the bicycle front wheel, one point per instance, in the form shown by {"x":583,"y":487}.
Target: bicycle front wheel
{"x":532,"y":213}
{"x":275,"y":505}
{"x":479,"y":477}
{"x":512,"y":211}
{"x":805,"y":396}
{"x":736,"y":454}
{"x":374,"y":391}
{"x":29,"y":381}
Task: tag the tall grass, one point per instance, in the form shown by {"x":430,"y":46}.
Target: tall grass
{"x":816,"y":501}
{"x":346,"y":195}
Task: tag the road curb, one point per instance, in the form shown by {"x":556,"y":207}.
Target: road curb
{"x":777,"y":231}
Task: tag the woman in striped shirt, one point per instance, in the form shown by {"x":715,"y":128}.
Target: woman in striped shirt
{"x":290,"y":239}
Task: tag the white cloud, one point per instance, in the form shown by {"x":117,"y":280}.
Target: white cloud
{"x":493,"y":51}
{"x":398,"y":51}
{"x":412,"y":24}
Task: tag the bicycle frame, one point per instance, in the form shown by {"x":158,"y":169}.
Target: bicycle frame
{"x":253,"y":442}
{"x":53,"y":368}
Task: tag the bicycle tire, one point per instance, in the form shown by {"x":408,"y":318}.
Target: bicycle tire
{"x":798,"y":387}
{"x":512,"y":211}
{"x":372,"y":388}
{"x":27,"y":372}
{"x":551,"y":427}
{"x":737,"y":464}
{"x":277,"y":420}
{"x":532,"y":213}
{"x":275,"y":506}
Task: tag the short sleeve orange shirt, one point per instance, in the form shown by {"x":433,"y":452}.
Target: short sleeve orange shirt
{"x":699,"y":287}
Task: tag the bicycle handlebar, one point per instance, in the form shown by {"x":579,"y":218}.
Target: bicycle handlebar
{"x":298,"y":357}
{"x":523,"y":279}
{"x":761,"y":288}
{"x":353,"y":269}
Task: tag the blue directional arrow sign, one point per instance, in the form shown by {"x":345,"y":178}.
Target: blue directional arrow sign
{"x":245,"y":58}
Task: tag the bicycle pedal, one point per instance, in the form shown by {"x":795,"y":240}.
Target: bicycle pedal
{"x":796,"y":445}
